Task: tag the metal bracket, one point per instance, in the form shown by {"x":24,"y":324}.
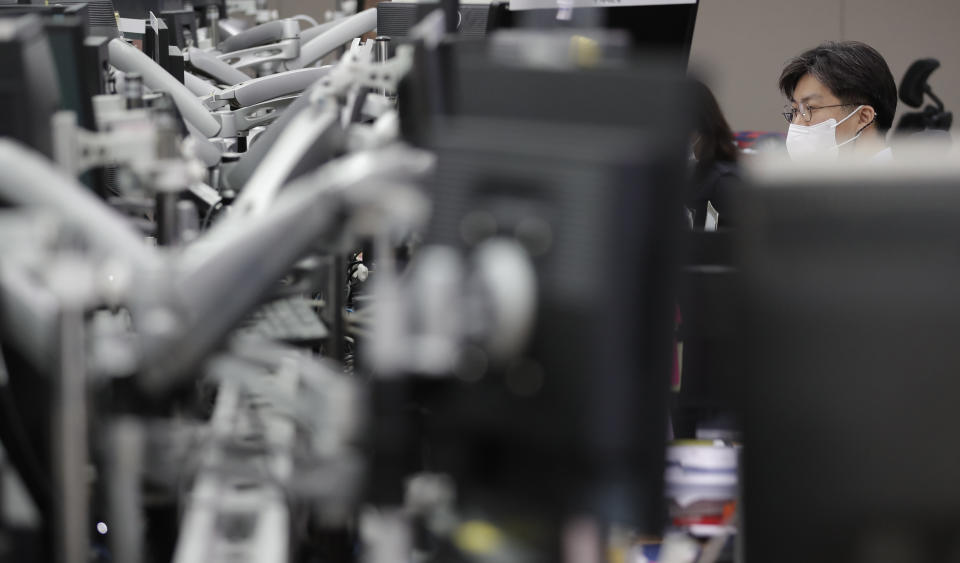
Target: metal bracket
{"x":357,"y":68}
{"x":241,"y":120}
{"x":285,"y":50}
{"x":130,"y":139}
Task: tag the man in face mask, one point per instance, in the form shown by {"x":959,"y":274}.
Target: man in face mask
{"x":842,"y":98}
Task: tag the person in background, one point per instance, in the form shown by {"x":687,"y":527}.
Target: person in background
{"x":714,"y":151}
{"x":842,"y":99}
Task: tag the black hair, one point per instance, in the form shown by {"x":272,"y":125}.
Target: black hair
{"x":716,"y":138}
{"x":855,"y":72}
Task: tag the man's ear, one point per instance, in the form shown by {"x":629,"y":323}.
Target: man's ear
{"x":867,"y":115}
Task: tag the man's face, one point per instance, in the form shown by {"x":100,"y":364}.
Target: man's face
{"x":811,"y":94}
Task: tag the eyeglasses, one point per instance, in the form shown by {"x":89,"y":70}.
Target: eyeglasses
{"x":805,"y":111}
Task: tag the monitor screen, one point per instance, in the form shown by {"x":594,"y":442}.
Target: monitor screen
{"x":850,"y":322}
{"x":659,"y":27}
{"x":101,"y":19}
{"x":396,"y":19}
{"x":30,"y":84}
{"x":579,"y":186}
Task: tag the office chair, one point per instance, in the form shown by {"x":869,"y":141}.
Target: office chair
{"x":913,"y":87}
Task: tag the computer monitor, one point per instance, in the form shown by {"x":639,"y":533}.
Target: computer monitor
{"x":664,"y":28}
{"x":140,"y":9}
{"x":850,"y":278}
{"x":95,"y":63}
{"x":396,"y":19}
{"x":577,"y":425}
{"x":79,"y":59}
{"x":30,"y":90}
{"x":157,"y":45}
{"x":101,"y":18}
{"x":448,"y":80}
{"x":183,"y":27}
{"x":709,"y":370}
{"x":78,"y":10}
{"x":201,"y":7}
{"x":156,"y":41}
{"x":533,"y":91}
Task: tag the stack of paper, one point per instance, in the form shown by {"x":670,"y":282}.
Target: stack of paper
{"x":701,"y":487}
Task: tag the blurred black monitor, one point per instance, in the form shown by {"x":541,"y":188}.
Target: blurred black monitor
{"x":30,"y":90}
{"x":661,"y":28}
{"x":160,"y":45}
{"x":607,"y":94}
{"x":201,"y":7}
{"x":664,"y":29}
{"x":454,"y":79}
{"x":80,"y":60}
{"x":396,"y":19}
{"x":156,"y":40}
{"x":709,"y":331}
{"x":183,"y":27}
{"x":578,"y":425}
{"x":76,"y":10}
{"x":851,"y":321}
{"x":140,"y":9}
{"x":101,"y":17}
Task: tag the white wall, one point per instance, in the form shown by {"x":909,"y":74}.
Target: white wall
{"x":740,"y":46}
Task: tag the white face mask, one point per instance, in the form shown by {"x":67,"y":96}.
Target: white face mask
{"x":817,"y":141}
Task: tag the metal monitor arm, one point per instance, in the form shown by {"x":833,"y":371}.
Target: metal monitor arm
{"x":260,"y":101}
{"x":130,"y":59}
{"x":182,"y":322}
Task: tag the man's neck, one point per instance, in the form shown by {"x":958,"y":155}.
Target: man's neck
{"x":869,"y":143}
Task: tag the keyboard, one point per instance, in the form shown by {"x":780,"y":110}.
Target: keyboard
{"x":291,"y":320}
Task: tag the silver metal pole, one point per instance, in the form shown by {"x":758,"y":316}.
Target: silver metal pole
{"x":69,"y":413}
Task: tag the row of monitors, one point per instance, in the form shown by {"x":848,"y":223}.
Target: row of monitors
{"x":660,"y":27}
{"x":863,"y":277}
{"x":74,"y":36}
